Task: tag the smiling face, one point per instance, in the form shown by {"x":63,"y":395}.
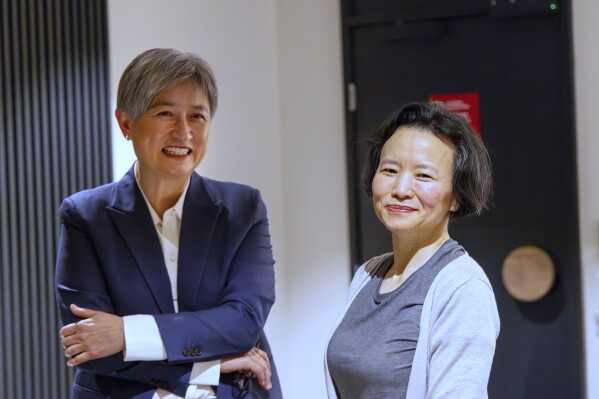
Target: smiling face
{"x":171,"y":137}
{"x":411,"y":189}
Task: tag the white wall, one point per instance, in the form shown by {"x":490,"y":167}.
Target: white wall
{"x":586,"y":69}
{"x":314,"y":182}
{"x":280,"y":129}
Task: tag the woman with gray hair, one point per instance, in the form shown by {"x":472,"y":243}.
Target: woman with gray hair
{"x":421,"y":321}
{"x":165,"y":278}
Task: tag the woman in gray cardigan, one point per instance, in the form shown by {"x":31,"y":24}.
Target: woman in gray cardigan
{"x":420,"y":322}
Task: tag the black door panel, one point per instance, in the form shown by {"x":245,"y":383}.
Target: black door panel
{"x":519,"y":61}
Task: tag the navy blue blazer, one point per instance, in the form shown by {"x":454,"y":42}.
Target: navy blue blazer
{"x":110,"y":259}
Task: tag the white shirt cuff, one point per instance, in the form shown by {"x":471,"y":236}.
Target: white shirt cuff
{"x":193,"y":392}
{"x":142,"y":339}
{"x":205,"y":373}
{"x":199,"y":392}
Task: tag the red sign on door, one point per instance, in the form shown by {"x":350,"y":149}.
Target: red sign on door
{"x":464,"y":104}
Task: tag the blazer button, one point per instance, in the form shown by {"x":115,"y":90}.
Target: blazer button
{"x":186,"y":352}
{"x":196,"y":351}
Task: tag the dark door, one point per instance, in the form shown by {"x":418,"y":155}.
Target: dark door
{"x":516,"y":55}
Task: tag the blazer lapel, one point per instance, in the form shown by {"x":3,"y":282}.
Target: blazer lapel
{"x":200,"y":218}
{"x":132,"y":219}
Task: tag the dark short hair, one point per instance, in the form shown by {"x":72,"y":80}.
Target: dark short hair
{"x":472,"y":183}
{"x":156,"y":70}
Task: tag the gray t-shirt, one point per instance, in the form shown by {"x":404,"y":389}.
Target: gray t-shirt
{"x":371,"y":351}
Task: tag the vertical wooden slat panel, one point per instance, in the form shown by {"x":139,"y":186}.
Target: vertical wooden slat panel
{"x":13,"y":167}
{"x":7,"y":373}
{"x":54,"y":114}
{"x":86,"y":57}
{"x":70,"y":79}
{"x":13,"y":109}
{"x":95,"y":119}
{"x":75,"y":70}
{"x":104,"y":125}
{"x":56,"y":374}
{"x":4,"y":231}
{"x":45,"y":205}
{"x":26,"y":313}
{"x":37,"y":274}
{"x":59,"y":144}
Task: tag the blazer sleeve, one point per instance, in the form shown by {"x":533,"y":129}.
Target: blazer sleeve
{"x":235,"y":325}
{"x":79,"y":279}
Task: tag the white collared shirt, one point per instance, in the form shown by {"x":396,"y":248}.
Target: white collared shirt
{"x":142,"y":337}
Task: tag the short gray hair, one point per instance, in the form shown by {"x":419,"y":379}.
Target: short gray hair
{"x":156,"y":70}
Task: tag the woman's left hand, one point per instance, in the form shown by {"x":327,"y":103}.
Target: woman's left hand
{"x":97,"y":335}
{"x":254,"y":364}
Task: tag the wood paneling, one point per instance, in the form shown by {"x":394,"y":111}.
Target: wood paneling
{"x":54,"y":140}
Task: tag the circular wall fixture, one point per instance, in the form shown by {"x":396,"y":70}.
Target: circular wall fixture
{"x":528,"y":273}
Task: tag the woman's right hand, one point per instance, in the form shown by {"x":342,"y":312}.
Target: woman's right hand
{"x":254,"y":364}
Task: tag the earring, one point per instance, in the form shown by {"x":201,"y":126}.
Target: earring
{"x":127,"y":137}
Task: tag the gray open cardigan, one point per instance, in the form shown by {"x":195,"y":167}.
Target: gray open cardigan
{"x":458,"y":329}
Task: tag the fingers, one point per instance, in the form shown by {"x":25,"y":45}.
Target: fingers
{"x":81,"y":352}
{"x":73,"y":333}
{"x":69,"y":329}
{"x":263,"y":356}
{"x":254,"y":364}
{"x":81,"y":312}
{"x":73,"y":351}
{"x":99,"y":335}
{"x":260,"y":367}
{"x":69,"y":341}
{"x":80,"y":358}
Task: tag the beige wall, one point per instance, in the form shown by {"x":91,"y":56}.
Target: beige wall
{"x":280,"y":129}
{"x":314,"y":183}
